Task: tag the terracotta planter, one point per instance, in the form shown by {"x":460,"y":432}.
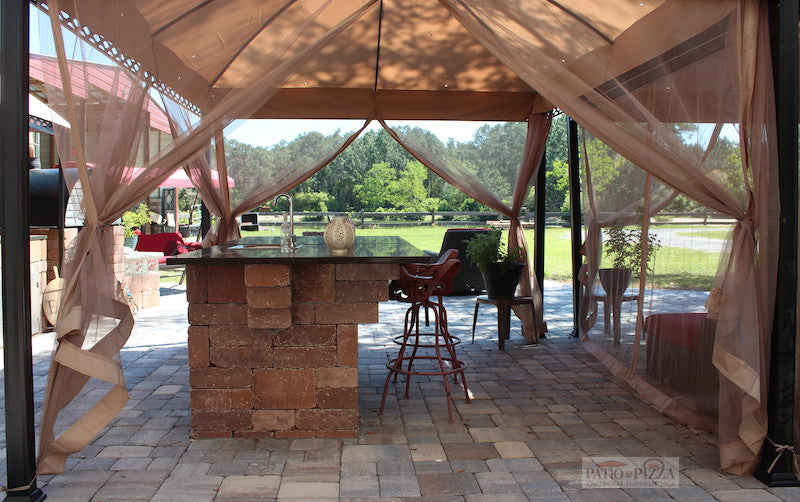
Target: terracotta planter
{"x":500,"y":283}
{"x":614,"y":280}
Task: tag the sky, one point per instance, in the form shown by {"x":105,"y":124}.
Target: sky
{"x":268,"y":132}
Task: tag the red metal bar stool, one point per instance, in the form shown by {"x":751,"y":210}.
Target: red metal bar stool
{"x":423,"y":286}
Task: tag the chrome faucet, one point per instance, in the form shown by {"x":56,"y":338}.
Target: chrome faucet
{"x":291,"y":216}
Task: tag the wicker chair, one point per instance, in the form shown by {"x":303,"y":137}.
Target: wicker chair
{"x":469,"y":279}
{"x":679,"y":351}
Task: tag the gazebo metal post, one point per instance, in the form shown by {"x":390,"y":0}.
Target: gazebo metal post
{"x":575,"y":218}
{"x":538,"y":259}
{"x":205,"y":220}
{"x":777,"y":463}
{"x":20,"y":441}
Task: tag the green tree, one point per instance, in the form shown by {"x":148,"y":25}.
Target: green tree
{"x":377,"y":190}
{"x":557,"y":167}
{"x":349,"y":169}
{"x":311,"y":201}
{"x":557,"y":187}
{"x":384,"y":187}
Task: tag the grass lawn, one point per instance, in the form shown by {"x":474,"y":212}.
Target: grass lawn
{"x":708,"y":234}
{"x":675,"y":268}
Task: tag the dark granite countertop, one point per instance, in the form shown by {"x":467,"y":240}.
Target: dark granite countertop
{"x":312,"y":249}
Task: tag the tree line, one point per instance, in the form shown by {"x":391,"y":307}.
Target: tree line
{"x":375,"y":173}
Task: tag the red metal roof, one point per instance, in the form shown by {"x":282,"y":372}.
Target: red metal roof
{"x":105,"y":78}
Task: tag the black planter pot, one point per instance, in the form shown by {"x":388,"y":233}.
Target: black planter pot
{"x":500,"y":283}
{"x":614,"y":280}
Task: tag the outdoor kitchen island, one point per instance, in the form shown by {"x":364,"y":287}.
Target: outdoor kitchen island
{"x":273,"y":337}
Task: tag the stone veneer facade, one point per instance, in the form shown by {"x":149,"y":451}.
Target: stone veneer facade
{"x":273,"y":349}
{"x":144,"y":289}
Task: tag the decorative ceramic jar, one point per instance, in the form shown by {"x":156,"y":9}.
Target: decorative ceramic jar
{"x":340,"y":234}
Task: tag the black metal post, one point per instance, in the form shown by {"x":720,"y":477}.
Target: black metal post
{"x":205,"y":220}
{"x":20,"y":440}
{"x":539,"y":216}
{"x":575,"y":218}
{"x":780,"y":405}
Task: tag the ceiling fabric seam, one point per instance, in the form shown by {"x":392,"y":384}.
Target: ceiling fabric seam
{"x":378,"y":48}
{"x":181,"y":17}
{"x":247,"y":42}
{"x":583,"y":21}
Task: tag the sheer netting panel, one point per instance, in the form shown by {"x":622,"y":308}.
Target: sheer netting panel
{"x":112,"y":97}
{"x":686,"y":244}
{"x":268,"y":157}
{"x":485,"y":168}
{"x":627,"y":74}
{"x":496,"y":169}
{"x":109,"y":110}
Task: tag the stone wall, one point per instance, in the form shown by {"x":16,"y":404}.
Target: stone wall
{"x":38,"y":256}
{"x":52,"y":246}
{"x":144,"y":289}
{"x":273,"y":349}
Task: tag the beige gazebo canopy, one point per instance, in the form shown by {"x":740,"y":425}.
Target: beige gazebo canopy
{"x":404,"y":59}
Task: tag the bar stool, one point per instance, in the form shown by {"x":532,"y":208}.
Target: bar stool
{"x":423,"y":286}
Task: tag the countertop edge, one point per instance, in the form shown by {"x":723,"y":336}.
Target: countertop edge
{"x":288,"y":260}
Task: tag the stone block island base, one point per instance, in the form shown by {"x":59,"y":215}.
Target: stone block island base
{"x":273,"y":347}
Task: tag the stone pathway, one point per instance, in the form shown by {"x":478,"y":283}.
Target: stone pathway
{"x":536,"y":411}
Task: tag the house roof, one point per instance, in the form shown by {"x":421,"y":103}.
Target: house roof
{"x":102,"y":80}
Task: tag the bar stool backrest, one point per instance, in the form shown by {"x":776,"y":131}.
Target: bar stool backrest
{"x":433,"y":280}
{"x":446,"y":276}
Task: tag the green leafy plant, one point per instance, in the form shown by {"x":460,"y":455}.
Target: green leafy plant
{"x":624,"y":245}
{"x":135,"y":218}
{"x":485,"y":249}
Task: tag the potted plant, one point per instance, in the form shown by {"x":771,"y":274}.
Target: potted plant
{"x":133,"y":219}
{"x":500,"y":268}
{"x":624,"y":246}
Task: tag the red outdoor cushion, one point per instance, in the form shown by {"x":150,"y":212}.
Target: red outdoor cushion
{"x":169,"y":243}
{"x":173,"y":248}
{"x":679,"y":330}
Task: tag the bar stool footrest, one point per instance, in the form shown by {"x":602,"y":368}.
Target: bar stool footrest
{"x":394,"y":367}
{"x":402,"y":340}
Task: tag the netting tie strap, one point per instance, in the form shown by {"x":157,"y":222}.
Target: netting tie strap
{"x":19,"y":488}
{"x":779,"y":450}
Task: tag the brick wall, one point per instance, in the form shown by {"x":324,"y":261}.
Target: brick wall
{"x":144,"y":289}
{"x":38,"y":257}
{"x":273,"y":349}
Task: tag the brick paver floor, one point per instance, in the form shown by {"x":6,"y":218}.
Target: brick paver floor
{"x":535,"y":412}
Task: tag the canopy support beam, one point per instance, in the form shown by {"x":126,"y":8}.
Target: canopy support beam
{"x":576,"y":237}
{"x":19,"y":410}
{"x":783,"y":17}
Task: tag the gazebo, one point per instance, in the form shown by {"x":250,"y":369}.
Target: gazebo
{"x":628,"y":72}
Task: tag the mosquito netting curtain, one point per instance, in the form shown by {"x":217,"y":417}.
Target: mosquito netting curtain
{"x":105,"y":130}
{"x":502,"y":187}
{"x":685,"y":63}
{"x":255,"y":182}
{"x":627,"y":71}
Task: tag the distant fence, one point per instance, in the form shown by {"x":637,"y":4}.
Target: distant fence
{"x":467,"y":218}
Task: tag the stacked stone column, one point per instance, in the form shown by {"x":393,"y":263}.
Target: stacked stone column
{"x":273,"y":349}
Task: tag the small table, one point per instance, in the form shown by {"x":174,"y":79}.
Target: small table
{"x":615,"y":302}
{"x":503,"y":315}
